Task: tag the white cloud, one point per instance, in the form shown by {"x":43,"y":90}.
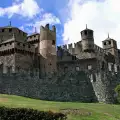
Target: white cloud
{"x":43,"y":20}
{"x":26,"y":8}
{"x":102,"y":17}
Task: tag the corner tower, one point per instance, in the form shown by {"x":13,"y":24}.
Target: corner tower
{"x":47,"y":50}
{"x":87,"y":40}
{"x":110,"y":46}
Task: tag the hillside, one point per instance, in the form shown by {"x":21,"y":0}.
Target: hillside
{"x":75,"y":111}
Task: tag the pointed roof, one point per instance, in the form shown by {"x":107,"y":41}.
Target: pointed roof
{"x":108,"y":38}
{"x":86,"y":29}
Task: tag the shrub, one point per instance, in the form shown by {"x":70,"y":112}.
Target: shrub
{"x":28,"y":114}
{"x":117,"y":90}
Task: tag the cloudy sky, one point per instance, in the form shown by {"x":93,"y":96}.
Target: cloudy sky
{"x":69,"y":16}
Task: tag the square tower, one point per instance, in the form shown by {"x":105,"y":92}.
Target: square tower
{"x":110,"y":45}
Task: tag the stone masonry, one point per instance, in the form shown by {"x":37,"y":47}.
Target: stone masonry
{"x":32,"y":66}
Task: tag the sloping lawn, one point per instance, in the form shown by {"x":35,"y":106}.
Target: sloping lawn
{"x":74,"y":110}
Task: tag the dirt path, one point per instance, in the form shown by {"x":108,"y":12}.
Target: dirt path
{"x":3,"y":99}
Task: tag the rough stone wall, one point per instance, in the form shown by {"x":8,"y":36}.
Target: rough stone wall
{"x":19,"y":35}
{"x":7,"y":62}
{"x":24,"y":61}
{"x":73,"y":86}
{"x":104,"y":86}
{"x":13,"y":62}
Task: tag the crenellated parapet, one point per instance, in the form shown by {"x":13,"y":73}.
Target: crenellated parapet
{"x":46,"y":33}
{"x":98,"y":48}
{"x":72,"y":48}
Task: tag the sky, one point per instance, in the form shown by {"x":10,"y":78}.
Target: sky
{"x":69,"y":16}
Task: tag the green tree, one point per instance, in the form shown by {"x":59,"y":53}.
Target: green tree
{"x":117,"y":90}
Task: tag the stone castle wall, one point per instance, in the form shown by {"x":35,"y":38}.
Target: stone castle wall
{"x":73,"y":86}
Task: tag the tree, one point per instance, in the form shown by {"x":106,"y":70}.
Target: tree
{"x":117,"y":90}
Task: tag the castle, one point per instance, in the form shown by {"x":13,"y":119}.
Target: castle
{"x":31,"y":65}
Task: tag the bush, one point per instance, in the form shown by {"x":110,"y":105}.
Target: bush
{"x":28,"y":114}
{"x":117,"y":90}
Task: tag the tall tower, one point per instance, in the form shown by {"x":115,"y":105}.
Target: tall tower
{"x":110,"y":45}
{"x":47,"y":50}
{"x":87,"y":40}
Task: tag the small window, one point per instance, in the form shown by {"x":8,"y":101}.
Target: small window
{"x":5,"y":44}
{"x":118,"y":68}
{"x":23,"y":45}
{"x":85,"y":32}
{"x":18,"y":43}
{"x":3,"y":30}
{"x":109,"y":42}
{"x":90,"y":32}
{"x":10,"y":30}
{"x":24,"y":34}
{"x":53,"y":42}
{"x":65,"y":69}
{"x":18,"y":69}
{"x":19,"y":31}
{"x":89,"y":67}
{"x":73,"y":57}
{"x":10,"y":43}
{"x":28,"y":46}
{"x":77,"y":68}
{"x":103,"y":65}
{"x":104,"y":43}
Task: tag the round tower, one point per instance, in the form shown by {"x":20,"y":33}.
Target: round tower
{"x":87,"y":40}
{"x":47,"y":50}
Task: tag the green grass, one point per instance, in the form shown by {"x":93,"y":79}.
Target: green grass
{"x":99,"y":111}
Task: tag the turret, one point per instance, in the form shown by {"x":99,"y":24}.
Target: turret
{"x":87,"y":40}
{"x":110,"y":46}
{"x":47,"y":49}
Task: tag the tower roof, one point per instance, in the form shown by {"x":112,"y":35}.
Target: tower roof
{"x":87,"y":29}
{"x":108,"y":38}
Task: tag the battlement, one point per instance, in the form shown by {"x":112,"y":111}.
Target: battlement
{"x":34,"y":37}
{"x":99,"y":49}
{"x":25,"y":46}
{"x":17,"y":45}
{"x":47,"y":27}
{"x":7,"y":32}
{"x":47,"y":34}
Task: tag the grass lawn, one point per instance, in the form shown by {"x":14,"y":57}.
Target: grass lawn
{"x":75,"y":110}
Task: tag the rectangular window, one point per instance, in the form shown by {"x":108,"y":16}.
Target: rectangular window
{"x":110,"y":66}
{"x":77,"y":68}
{"x":3,"y":30}
{"x":73,"y":57}
{"x":10,"y":30}
{"x":115,"y":67}
{"x":53,"y":42}
{"x":28,"y":46}
{"x":1,"y":68}
{"x":65,"y":69}
{"x":89,"y":67}
{"x":18,"y":43}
